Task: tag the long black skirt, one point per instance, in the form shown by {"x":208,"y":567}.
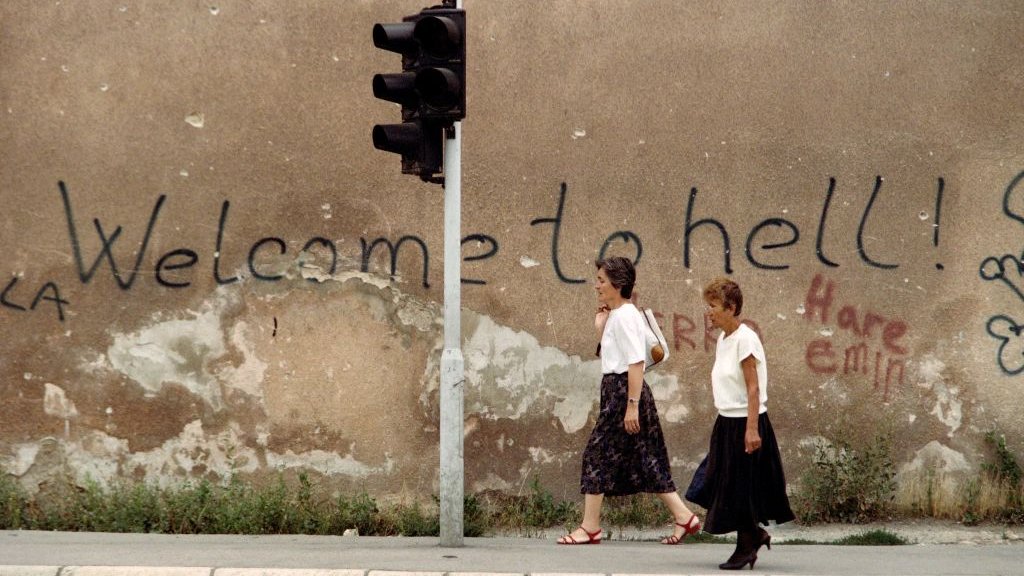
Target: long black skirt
{"x":616,"y":463}
{"x":741,"y":490}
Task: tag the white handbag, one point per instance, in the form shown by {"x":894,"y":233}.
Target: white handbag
{"x":657,"y":346}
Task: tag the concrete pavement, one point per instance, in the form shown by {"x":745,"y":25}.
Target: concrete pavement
{"x":27,"y":553}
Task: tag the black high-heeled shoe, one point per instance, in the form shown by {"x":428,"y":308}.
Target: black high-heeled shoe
{"x":738,"y":561}
{"x":747,"y":544}
{"x":764,"y":539}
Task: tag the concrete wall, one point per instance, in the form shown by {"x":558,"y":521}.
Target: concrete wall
{"x":191,"y":213}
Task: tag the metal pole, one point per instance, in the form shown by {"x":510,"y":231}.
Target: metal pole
{"x":452,"y":372}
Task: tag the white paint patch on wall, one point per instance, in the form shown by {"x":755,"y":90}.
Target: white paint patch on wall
{"x":508,"y":373}
{"x":948,"y":406}
{"x":666,"y":390}
{"x":421,"y":316}
{"x":194,"y":453}
{"x":95,"y":456}
{"x":56,"y":403}
{"x":328,"y":463}
{"x":936,"y":457}
{"x":815,"y":442}
{"x":21,"y":460}
{"x":936,"y":462}
{"x":543,"y":456}
{"x":676,"y":413}
{"x":493,"y":482}
{"x":248,"y":376}
{"x":175,"y":351}
{"x":527,"y":262}
{"x":182,"y":351}
{"x":678,"y":463}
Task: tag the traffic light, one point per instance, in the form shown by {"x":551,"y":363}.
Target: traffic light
{"x":431,"y":87}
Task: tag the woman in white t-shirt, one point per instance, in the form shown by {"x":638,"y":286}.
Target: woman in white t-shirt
{"x":743,"y":483}
{"x":626,"y":451}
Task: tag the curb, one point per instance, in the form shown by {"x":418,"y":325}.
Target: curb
{"x":11,"y":570}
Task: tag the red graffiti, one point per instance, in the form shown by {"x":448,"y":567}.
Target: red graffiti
{"x":684,"y":331}
{"x":877,"y":339}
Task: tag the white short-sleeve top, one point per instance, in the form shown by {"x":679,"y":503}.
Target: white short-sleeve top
{"x":727,"y":383}
{"x":623,"y":340}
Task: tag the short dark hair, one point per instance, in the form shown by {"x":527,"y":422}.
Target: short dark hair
{"x":727,"y":292}
{"x":620,"y":273}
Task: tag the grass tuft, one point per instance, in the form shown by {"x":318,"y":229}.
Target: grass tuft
{"x":872,"y":538}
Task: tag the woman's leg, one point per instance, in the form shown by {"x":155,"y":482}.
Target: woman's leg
{"x":590,"y":528}
{"x":680,"y":513}
{"x":592,"y":511}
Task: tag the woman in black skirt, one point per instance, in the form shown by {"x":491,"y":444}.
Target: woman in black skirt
{"x":626,"y":452}
{"x":744,"y":484}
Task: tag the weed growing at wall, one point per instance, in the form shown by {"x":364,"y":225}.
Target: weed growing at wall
{"x":536,"y":509}
{"x":1004,"y":481}
{"x":996,"y":494}
{"x":288,"y":506}
{"x":1005,"y":466}
{"x":848,"y":484}
{"x":236,"y":507}
{"x":636,"y":510}
{"x":12,"y":503}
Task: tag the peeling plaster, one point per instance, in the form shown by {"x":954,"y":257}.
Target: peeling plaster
{"x":509,"y":372}
{"x":98,"y":457}
{"x":492,"y":482}
{"x":679,"y":463}
{"x":677,"y":413}
{"x":418,"y":315}
{"x":173,"y":351}
{"x":101,"y":458}
{"x":55,"y":403}
{"x":814,"y":442}
{"x":22,"y":459}
{"x":95,"y":456}
{"x":948,"y":407}
{"x":937,"y":457}
{"x":423,"y":316}
{"x":542,"y":456}
{"x":329,"y":463}
{"x":247,"y":377}
{"x":183,"y":351}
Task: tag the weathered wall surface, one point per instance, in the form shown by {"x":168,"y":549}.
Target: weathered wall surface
{"x":193,"y":224}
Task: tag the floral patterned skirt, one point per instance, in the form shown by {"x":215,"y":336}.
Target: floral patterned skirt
{"x":616,"y":463}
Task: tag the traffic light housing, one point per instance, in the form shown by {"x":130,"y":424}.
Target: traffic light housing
{"x":431,"y":88}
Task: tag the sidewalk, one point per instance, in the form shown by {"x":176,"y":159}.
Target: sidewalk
{"x":26,"y":553}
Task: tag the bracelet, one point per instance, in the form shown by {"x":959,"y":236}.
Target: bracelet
{"x":633,"y":400}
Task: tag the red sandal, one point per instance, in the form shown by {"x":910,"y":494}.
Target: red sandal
{"x":592,"y":537}
{"x":688,"y":529}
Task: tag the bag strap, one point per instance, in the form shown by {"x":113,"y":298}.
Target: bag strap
{"x":648,"y":320}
